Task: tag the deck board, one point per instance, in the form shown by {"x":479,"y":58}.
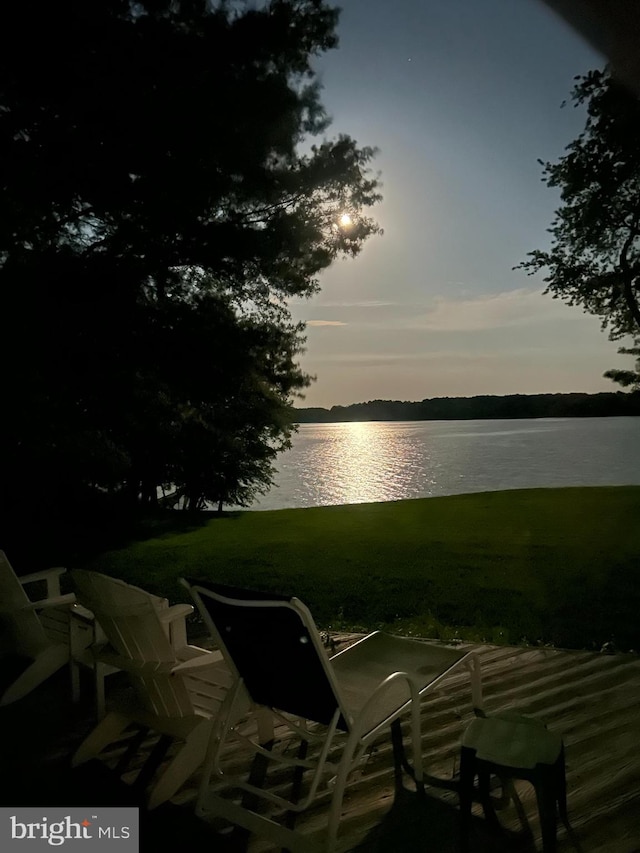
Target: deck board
{"x":591,"y":699}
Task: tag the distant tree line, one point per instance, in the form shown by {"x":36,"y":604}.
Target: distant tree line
{"x":607,"y":404}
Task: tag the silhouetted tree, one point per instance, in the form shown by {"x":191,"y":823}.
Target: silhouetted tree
{"x":628,"y":378}
{"x":594,"y":258}
{"x":157,"y":210}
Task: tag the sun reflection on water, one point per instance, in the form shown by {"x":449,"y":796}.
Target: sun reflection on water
{"x":366,"y":462}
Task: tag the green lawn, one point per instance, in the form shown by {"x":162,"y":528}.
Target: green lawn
{"x":554,"y":565}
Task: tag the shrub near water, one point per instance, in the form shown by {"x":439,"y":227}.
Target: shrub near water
{"x":539,"y":565}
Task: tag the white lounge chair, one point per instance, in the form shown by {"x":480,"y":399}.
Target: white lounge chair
{"x":273,"y":648}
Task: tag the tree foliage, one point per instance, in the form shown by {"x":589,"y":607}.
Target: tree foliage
{"x":157,"y":209}
{"x":594,"y":257}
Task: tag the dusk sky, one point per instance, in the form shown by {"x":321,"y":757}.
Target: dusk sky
{"x":461,"y":97}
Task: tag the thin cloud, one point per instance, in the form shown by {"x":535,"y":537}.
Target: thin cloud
{"x":492,"y":311}
{"x":372,"y":359}
{"x":461,"y":313}
{"x":367,"y":303}
{"x":364,"y":303}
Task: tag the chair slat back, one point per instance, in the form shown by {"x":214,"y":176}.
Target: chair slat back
{"x":128,"y":615}
{"x":21,"y":632}
{"x":129,"y":618}
{"x":274,"y":646}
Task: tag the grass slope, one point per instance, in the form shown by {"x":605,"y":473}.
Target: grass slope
{"x":550,"y":565}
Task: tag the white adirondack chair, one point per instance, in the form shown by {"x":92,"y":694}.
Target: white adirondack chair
{"x":34,"y":635}
{"x":88,"y":640}
{"x":179,"y":687}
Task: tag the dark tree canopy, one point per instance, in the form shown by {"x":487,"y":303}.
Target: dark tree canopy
{"x":594,"y":258}
{"x":157,"y":210}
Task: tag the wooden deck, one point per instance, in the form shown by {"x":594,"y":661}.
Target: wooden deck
{"x":593,"y":700}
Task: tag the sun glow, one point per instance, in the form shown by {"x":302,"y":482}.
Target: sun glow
{"x":346,"y":220}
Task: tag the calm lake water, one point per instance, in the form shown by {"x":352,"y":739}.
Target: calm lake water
{"x":384,"y":461}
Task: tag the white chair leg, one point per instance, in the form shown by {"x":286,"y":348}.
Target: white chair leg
{"x":46,"y":664}
{"x":416,"y":738}
{"x":103,"y":734}
{"x":346,"y":765}
{"x":190,"y":756}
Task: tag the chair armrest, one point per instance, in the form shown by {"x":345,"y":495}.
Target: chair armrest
{"x":195,"y":664}
{"x":83,"y":614}
{"x":44,"y":575}
{"x":413,"y":698}
{"x":51,"y":576}
{"x":174,"y":622}
{"x":133,"y":666}
{"x":175,"y":611}
{"x":55,"y":601}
